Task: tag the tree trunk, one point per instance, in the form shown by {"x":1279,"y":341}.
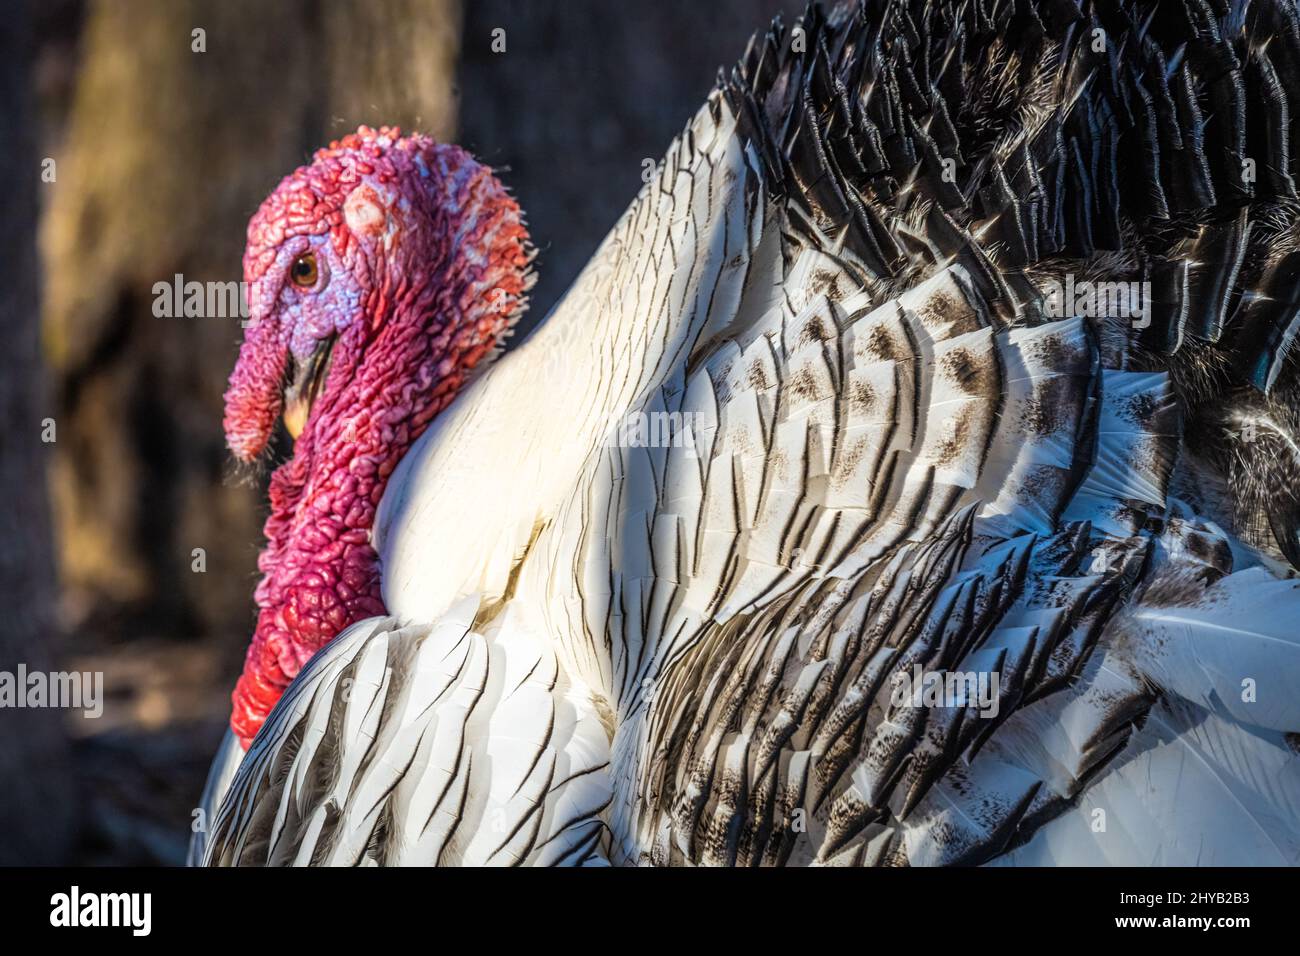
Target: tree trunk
{"x":37,"y":801}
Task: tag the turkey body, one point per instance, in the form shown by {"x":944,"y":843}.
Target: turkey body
{"x":906,"y":480}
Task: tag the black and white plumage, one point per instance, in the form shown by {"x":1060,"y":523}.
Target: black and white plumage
{"x":901,"y":455}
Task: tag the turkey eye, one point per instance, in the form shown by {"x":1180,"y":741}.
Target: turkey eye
{"x":303,"y":271}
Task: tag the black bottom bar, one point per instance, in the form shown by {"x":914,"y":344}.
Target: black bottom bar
{"x":604,"y":909}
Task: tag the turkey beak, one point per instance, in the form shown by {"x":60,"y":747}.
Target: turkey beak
{"x":304,"y":381}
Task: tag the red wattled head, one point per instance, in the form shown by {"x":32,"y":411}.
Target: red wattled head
{"x":380,"y":227}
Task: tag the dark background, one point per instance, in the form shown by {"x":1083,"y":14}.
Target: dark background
{"x":161,"y":155}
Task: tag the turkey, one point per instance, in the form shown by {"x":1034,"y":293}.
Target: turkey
{"x":907,"y":480}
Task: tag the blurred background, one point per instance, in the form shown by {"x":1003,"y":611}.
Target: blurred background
{"x":133,"y":148}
